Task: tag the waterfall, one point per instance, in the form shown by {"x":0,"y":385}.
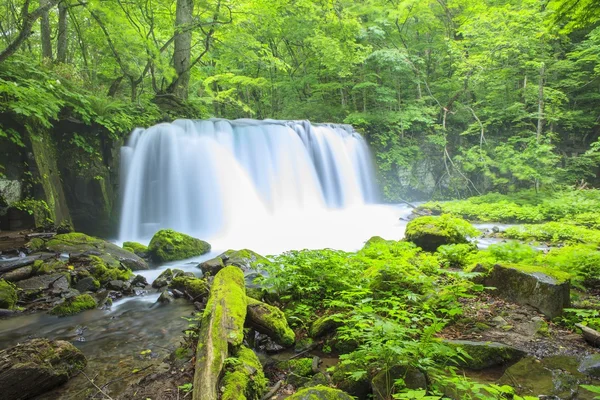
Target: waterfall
{"x":211,"y":177}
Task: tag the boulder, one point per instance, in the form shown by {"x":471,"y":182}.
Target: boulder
{"x":320,"y":393}
{"x":195,"y":288}
{"x":87,"y":284}
{"x":169,"y":245}
{"x":8,"y":295}
{"x":245,"y":259}
{"x":138,"y":249}
{"x":165,"y":297}
{"x":163,"y":279}
{"x":430,"y":232}
{"x":486,"y":354}
{"x":383,"y":384}
{"x":33,"y":286}
{"x":359,"y":388}
{"x":74,"y":305}
{"x":18,"y":274}
{"x":37,"y":366}
{"x":78,"y":243}
{"x":590,"y":365}
{"x":271,"y":321}
{"x":551,"y":377}
{"x":548,"y":291}
{"x":324,"y":325}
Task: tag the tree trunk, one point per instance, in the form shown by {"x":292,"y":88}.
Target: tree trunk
{"x":540,"y":124}
{"x":61,"y":41}
{"x":183,"y":44}
{"x":46,"y":33}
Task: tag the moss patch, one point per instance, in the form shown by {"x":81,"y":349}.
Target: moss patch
{"x":271,"y":321}
{"x":431,"y":232}
{"x":244,"y":377}
{"x":195,"y":287}
{"x":135,"y":247}
{"x":8,"y":295}
{"x":74,"y":305}
{"x":169,"y":245}
{"x":104,"y":272}
{"x":320,"y":393}
{"x":298,"y":366}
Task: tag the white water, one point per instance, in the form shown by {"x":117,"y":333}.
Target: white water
{"x":265,"y":185}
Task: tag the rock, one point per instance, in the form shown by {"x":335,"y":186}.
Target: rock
{"x":18,"y":274}
{"x":499,"y":321}
{"x":168,"y":245}
{"x":65,"y":227}
{"x":139,"y":281}
{"x":9,"y":265}
{"x":33,"y":286}
{"x":78,"y":243}
{"x":245,"y":259}
{"x":116,"y":285}
{"x":6,"y":312}
{"x":552,"y":376}
{"x":430,"y":232}
{"x":590,"y":335}
{"x":324,"y":325}
{"x":8,"y":295}
{"x":221,"y":329}
{"x":528,"y":285}
{"x":137,"y":248}
{"x":320,"y":393}
{"x":486,"y":354}
{"x":36,"y":366}
{"x":165,"y":297}
{"x":88,"y":284}
{"x":298,"y":366}
{"x":319,"y":379}
{"x":75,"y":305}
{"x":304,"y":344}
{"x":382,"y":384}
{"x":163,"y":279}
{"x":360,"y":388}
{"x":590,"y":365}
{"x":196,"y":288}
{"x":495,"y":229}
{"x":270,"y":321}
{"x":245,"y":380}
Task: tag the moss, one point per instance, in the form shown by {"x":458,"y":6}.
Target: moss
{"x":72,"y":242}
{"x":558,"y":276}
{"x":135,"y":247}
{"x":271,"y":321}
{"x":244,"y":378}
{"x":320,"y":393}
{"x":195,"y":287}
{"x":8,"y":295}
{"x":104,"y":272}
{"x":324,"y":325}
{"x":485,"y":354}
{"x":431,"y":232}
{"x":74,"y":305}
{"x":245,"y":259}
{"x":45,"y":267}
{"x":298,"y":366}
{"x":168,"y":245}
{"x":36,"y":244}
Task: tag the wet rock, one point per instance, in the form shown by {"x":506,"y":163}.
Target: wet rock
{"x":246,"y":260}
{"x":8,"y":295}
{"x":75,"y":305}
{"x":165,"y":297}
{"x":382,"y":384}
{"x":212,"y":266}
{"x":163,"y":279}
{"x":320,"y":393}
{"x":88,"y":284}
{"x":522,"y":285}
{"x":590,"y":365}
{"x":169,"y":245}
{"x":6,"y":313}
{"x":486,"y":354}
{"x":552,"y":376}
{"x":195,"y":288}
{"x":139,"y":281}
{"x":36,"y":366}
{"x":18,"y":274}
{"x":495,"y":229}
{"x":42,"y":283}
{"x":116,"y":285}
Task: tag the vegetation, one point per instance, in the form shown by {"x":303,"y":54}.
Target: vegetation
{"x":74,"y":305}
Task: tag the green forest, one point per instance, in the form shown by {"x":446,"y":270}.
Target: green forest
{"x":299,"y":199}
{"x":500,"y":95}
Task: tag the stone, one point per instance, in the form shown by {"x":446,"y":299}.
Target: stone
{"x":359,"y":388}
{"x":324,"y":325}
{"x":524,"y":285}
{"x":195,"y":288}
{"x":163,"y":279}
{"x":165,"y":297}
{"x":139,"y":281}
{"x":8,"y":295}
{"x":37,"y":366}
{"x":18,"y":274}
{"x":88,"y":284}
{"x":430,"y":232}
{"x":320,"y":393}
{"x":554,"y":377}
{"x":75,"y":305}
{"x":271,"y":321}
{"x":486,"y":354}
{"x":590,"y":365}
{"x":137,"y":248}
{"x":383,"y":385}
{"x":116,"y":285}
{"x":319,"y":379}
{"x":42,"y":283}
{"x":246,"y":260}
{"x":169,"y":245}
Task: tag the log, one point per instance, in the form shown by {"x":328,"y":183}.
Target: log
{"x":6,"y":266}
{"x":221,"y":331}
{"x":270,"y":321}
{"x":590,"y":335}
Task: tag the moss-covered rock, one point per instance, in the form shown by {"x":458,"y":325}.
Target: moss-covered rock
{"x":320,"y":393}
{"x":359,"y":388}
{"x":486,"y":354}
{"x":298,"y":366}
{"x":37,"y":366}
{"x":244,"y":378}
{"x":75,"y":305}
{"x":169,"y":245}
{"x":105,"y":272}
{"x":245,"y":259}
{"x":384,"y":384}
{"x":49,"y":266}
{"x":79,"y":243}
{"x":35,"y":244}
{"x":137,"y":248}
{"x":8,"y":295}
{"x":547,"y":290}
{"x":430,"y":232}
{"x":270,"y":321}
{"x":196,"y":288}
{"x":324,"y":325}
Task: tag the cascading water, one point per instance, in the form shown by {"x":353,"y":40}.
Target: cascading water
{"x":242,"y":179}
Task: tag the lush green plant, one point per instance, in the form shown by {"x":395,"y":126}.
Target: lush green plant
{"x":455,"y":255}
{"x":554,"y":232}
